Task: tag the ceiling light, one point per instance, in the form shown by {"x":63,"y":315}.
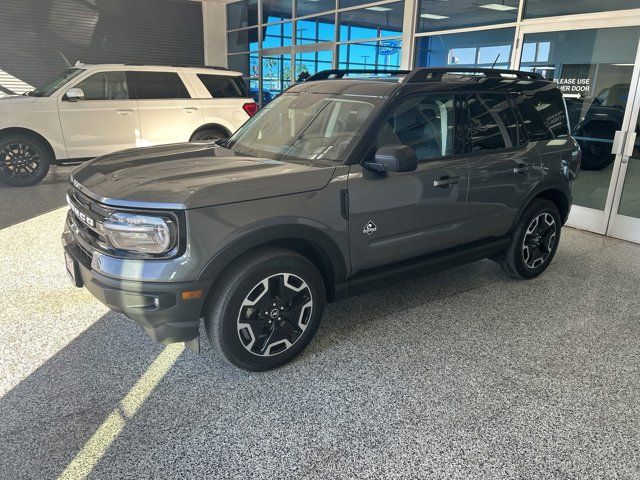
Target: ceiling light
{"x":379,"y":9}
{"x":623,"y":64}
{"x":497,"y":6}
{"x":432,"y":16}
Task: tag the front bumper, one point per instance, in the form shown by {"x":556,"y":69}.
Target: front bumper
{"x":156,"y":306}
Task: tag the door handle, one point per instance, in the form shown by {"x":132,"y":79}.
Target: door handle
{"x":127,"y":111}
{"x":446,"y":181}
{"x":189,"y":109}
{"x":522,"y":168}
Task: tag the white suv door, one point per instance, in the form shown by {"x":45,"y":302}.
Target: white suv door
{"x":167,"y":112}
{"x":105,"y":121}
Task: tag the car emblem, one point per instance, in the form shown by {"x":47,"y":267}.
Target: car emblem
{"x":369,"y":228}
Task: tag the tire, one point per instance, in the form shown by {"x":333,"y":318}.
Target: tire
{"x":208,"y":135}
{"x":535,"y":240}
{"x":266,"y":309}
{"x":595,"y":155}
{"x":24,"y":160}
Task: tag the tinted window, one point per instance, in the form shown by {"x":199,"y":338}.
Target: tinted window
{"x":550,"y":106}
{"x":224,"y":87}
{"x":105,"y":86}
{"x":424,"y":123}
{"x":493,"y":122}
{"x":150,"y":85}
{"x":533,"y":124}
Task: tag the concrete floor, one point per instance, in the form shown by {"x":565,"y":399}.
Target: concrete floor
{"x":461,"y":374}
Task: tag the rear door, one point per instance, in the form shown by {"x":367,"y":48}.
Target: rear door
{"x":396,"y":216}
{"x":223,"y":100}
{"x":168,"y":113}
{"x":106,"y":119}
{"x":503,"y":167}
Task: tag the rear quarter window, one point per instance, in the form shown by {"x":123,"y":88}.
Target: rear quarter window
{"x":220,"y":86}
{"x":543,"y":114}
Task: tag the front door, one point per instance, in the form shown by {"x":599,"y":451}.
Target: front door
{"x":396,"y":216}
{"x":105,"y":121}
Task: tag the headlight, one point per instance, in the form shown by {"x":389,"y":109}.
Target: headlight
{"x":140,"y":233}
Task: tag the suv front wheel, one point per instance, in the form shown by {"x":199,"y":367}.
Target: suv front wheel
{"x":266,"y":309}
{"x":535,"y":240}
{"x":24,"y":160}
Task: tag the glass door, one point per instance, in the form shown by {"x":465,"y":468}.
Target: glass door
{"x":593,"y":64}
{"x":312,"y":60}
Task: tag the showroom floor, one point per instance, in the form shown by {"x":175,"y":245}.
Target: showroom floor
{"x":462,"y":374}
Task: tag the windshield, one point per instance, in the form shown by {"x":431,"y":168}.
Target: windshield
{"x":56,"y":83}
{"x":305,"y":127}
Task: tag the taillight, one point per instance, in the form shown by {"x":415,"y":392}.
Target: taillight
{"x":251,"y":108}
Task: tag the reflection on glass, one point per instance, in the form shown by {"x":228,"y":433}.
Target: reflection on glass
{"x":276,"y":10}
{"x":630,"y":199}
{"x":308,"y":63}
{"x":242,"y":41}
{"x":309,"y":7}
{"x":242,"y":14}
{"x":314,"y":30}
{"x":278,"y":35}
{"x":276,"y":75}
{"x":434,"y":15}
{"x":593,"y":69}
{"x":372,"y":22}
{"x":245,"y":63}
{"x":384,"y":54}
{"x":549,"y":8}
{"x":473,"y":49}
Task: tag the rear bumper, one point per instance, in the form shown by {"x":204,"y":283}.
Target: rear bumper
{"x":156,"y":306}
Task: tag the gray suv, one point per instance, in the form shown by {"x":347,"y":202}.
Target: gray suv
{"x":338,"y":186}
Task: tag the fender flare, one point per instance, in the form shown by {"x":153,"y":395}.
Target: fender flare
{"x":329,"y":251}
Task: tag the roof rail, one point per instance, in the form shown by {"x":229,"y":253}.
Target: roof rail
{"x":216,"y":67}
{"x":338,"y":73}
{"x":435,"y":73}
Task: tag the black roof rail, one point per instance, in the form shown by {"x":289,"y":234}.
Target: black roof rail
{"x":338,"y":73}
{"x":435,"y":73}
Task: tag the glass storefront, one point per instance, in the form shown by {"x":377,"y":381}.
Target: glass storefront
{"x":588,"y":47}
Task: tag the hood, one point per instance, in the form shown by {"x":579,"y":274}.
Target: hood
{"x":192,"y":175}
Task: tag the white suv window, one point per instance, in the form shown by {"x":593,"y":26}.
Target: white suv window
{"x":157,"y":85}
{"x":105,"y":86}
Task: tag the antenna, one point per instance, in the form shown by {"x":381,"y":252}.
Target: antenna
{"x":495,"y":61}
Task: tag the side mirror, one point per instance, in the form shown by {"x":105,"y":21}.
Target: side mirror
{"x":394,"y":158}
{"x":74,"y":94}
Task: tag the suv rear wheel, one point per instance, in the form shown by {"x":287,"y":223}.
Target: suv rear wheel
{"x":24,"y":160}
{"x":266,"y":310}
{"x":534,"y":242}
{"x":208,"y":135}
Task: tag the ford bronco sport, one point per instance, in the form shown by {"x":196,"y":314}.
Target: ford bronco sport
{"x":337,"y":186}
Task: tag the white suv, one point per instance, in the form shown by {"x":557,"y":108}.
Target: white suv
{"x":92,"y":110}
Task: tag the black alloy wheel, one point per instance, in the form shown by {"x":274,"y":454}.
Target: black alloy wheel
{"x":539,"y":240}
{"x":23,"y":161}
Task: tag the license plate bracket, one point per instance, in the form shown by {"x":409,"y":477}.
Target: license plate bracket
{"x":73,"y":270}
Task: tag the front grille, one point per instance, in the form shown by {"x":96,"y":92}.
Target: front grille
{"x":90,"y":235}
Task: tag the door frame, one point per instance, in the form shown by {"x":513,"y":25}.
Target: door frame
{"x":586,"y":218}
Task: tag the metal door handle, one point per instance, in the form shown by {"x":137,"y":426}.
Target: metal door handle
{"x":444,"y":182}
{"x":522,"y":168}
{"x":190,"y":109}
{"x":124,"y":112}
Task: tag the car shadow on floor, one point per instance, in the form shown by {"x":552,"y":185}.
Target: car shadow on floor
{"x":23,"y":203}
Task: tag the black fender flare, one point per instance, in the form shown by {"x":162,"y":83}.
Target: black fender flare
{"x":325,"y":246}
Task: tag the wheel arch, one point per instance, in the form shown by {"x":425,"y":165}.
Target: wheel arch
{"x":31,"y":133}
{"x":553,"y":194}
{"x":311,"y":243}
{"x":211,"y":126}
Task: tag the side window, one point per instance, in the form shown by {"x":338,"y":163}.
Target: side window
{"x":550,"y":106}
{"x":155,"y":85}
{"x":220,"y":86}
{"x":532,"y":120}
{"x":105,"y":86}
{"x":493,"y":122}
{"x":424,"y":123}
